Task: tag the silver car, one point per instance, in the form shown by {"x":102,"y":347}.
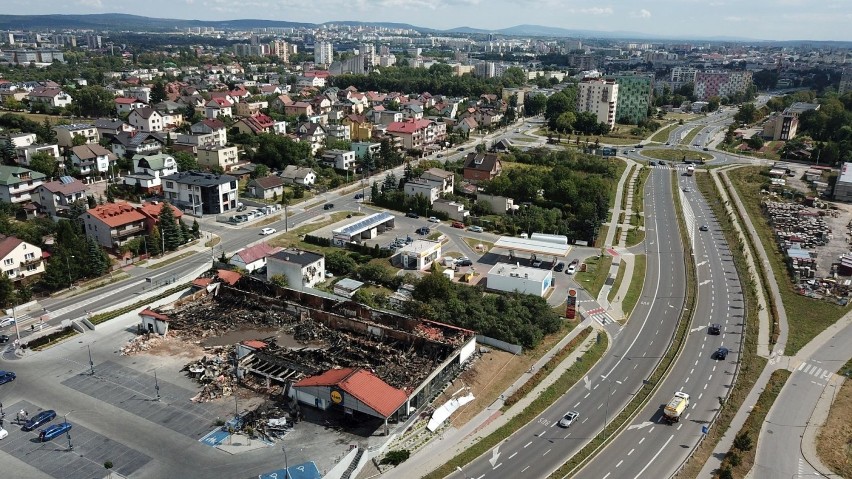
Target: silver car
{"x":568,"y":419}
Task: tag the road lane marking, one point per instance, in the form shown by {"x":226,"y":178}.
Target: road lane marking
{"x":513,"y":455}
{"x":652,"y":428}
{"x":699,"y":396}
{"x":631,"y":451}
{"x":620,"y":463}
{"x":578,"y":403}
{"x":527,"y":445}
{"x":587,"y":395}
{"x":643,"y":439}
{"x":801,"y":366}
{"x":522,"y":470}
{"x":545,"y":452}
{"x":607,"y":475}
{"x":498,"y":465}
{"x":655,"y":457}
{"x":679,"y":426}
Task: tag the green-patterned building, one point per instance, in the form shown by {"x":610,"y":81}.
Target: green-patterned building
{"x":634,"y":97}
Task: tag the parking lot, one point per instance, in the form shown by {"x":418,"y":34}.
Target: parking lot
{"x":135,"y":392}
{"x":54,"y":458}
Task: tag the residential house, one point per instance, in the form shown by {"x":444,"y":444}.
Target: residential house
{"x":148,"y":171}
{"x":55,"y":197}
{"x":423,"y":188}
{"x":454,"y":211}
{"x":126,"y":105}
{"x":280,"y":102}
{"x":386,"y":117}
{"x":25,"y":153}
{"x":488,"y":118}
{"x":215,"y":157}
{"x":303,"y":269}
{"x":313,"y":133}
{"x":201,"y":193}
{"x":18,"y":185}
{"x":19,"y":140}
{"x":362,"y":147}
{"x":212,"y":126}
{"x":268,"y":187}
{"x":53,"y":97}
{"x":250,"y":108}
{"x":191,"y":143}
{"x":467,"y":125}
{"x":151,"y":211}
{"x":360,"y":129}
{"x":217,"y":107}
{"x":339,"y":159}
{"x":19,"y":259}
{"x":482,"y":166}
{"x":413,"y":111}
{"x":417,"y":134}
{"x":146,"y":119}
{"x":137,"y":143}
{"x":254,"y":257}
{"x":337,"y":132}
{"x":109,"y":127}
{"x":298,"y":175}
{"x":65,"y":134}
{"x":92,"y":159}
{"x":442,"y":179}
{"x":260,"y":123}
{"x":112,"y":225}
{"x":299,"y":108}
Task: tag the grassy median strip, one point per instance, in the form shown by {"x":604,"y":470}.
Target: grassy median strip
{"x":806,"y":317}
{"x":835,"y":437}
{"x":740,"y":459}
{"x":619,"y":277}
{"x":636,"y":282}
{"x":751,"y":365}
{"x":662,"y":136}
{"x":690,"y":136}
{"x":648,"y":387}
{"x":597,"y":271}
{"x":570,"y":377}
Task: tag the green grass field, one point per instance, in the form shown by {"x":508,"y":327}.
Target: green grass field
{"x":662,"y":136}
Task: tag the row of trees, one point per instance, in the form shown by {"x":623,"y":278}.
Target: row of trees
{"x":562,"y":115}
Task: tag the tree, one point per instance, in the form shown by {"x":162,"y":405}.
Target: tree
{"x":196,"y":229}
{"x":44,"y":162}
{"x":7,"y":152}
{"x":93,"y":101}
{"x":747,"y":114}
{"x":340,"y":263}
{"x":279,"y":280}
{"x":755,"y":142}
{"x":78,"y":140}
{"x":185,"y":233}
{"x":535,"y":105}
{"x":154,"y":242}
{"x":7,"y":291}
{"x":743,"y":442}
{"x":260,"y":171}
{"x":158,"y":92}
{"x":169,"y":228}
{"x":97,"y":262}
{"x":185,"y":161}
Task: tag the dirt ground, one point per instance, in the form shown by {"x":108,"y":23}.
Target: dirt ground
{"x":835,"y":440}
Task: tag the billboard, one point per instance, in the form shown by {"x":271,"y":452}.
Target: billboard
{"x":571,"y":304}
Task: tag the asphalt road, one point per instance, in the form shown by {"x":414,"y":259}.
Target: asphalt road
{"x":541,"y":446}
{"x":779,"y":451}
{"x":650,"y":448}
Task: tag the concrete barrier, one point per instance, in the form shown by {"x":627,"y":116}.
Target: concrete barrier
{"x":502,"y":345}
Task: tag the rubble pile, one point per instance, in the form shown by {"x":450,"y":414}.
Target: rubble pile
{"x":215,"y":371}
{"x":141,"y":343}
{"x":213,"y":317}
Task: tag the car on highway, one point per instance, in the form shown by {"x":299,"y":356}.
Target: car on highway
{"x":359,"y":196}
{"x":267,"y":231}
{"x":461,"y":148}
{"x":43,"y":417}
{"x":687,"y":189}
{"x":721,"y":353}
{"x":704,"y":228}
{"x":706,"y":149}
{"x":475,"y":229}
{"x":632,"y":151}
{"x":7,"y":377}
{"x":7,"y":321}
{"x":53,"y":431}
{"x":422,"y":230}
{"x":458,"y":224}
{"x":328,"y":206}
{"x":624,"y":152}
{"x":668,"y":143}
{"x":568,"y":418}
{"x":696,"y":144}
{"x":559,"y":267}
{"x":4,"y":339}
{"x":464,"y":261}
{"x":652,"y":163}
{"x":432,"y":219}
{"x":412,"y":214}
{"x":714,"y":329}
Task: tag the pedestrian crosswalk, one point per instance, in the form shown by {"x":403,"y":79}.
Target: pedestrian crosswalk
{"x":815,"y":371}
{"x":669,"y":166}
{"x":599,"y":315}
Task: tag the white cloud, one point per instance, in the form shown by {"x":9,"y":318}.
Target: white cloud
{"x":643,"y":13}
{"x":592,"y":11}
{"x":90,"y":3}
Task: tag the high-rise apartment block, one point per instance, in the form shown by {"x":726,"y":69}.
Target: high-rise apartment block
{"x":721,"y":84}
{"x":634,"y":97}
{"x":323,"y":53}
{"x":598,"y":96}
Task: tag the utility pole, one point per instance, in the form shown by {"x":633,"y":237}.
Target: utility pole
{"x":91,"y":363}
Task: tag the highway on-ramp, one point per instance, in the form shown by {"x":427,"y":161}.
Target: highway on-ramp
{"x":649,"y":447}
{"x":541,"y":446}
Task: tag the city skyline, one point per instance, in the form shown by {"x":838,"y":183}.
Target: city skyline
{"x":757,"y":19}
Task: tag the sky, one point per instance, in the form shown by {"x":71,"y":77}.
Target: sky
{"x":754,"y":19}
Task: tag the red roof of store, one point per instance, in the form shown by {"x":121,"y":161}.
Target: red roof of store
{"x":362,"y":385}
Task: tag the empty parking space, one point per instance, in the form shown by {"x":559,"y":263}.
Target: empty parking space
{"x":84,"y":461}
{"x":135,"y":392}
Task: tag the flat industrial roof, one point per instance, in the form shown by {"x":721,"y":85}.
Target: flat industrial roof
{"x":513,"y":270}
{"x":846,"y":173}
{"x":364,"y":224}
{"x":527,"y":245}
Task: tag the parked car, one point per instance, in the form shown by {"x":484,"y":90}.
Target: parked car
{"x":572,"y":268}
{"x":464,"y":262}
{"x":3,"y":433}
{"x":258,"y":213}
{"x":43,"y":417}
{"x":328,"y":206}
{"x":652,"y":163}
{"x":432,"y":219}
{"x":475,"y":229}
{"x":687,"y":189}
{"x":358,"y":196}
{"x":267,"y":231}
{"x":721,"y":353}
{"x":7,"y":377}
{"x":241,"y":208}
{"x":715,"y":328}
{"x":706,"y":149}
{"x":537,"y":263}
{"x":422,"y":230}
{"x":704,"y":228}
{"x":559,"y":267}
{"x":54,"y":431}
{"x":461,"y":148}
{"x":7,"y":321}
{"x":458,"y":224}
{"x":412,"y":214}
{"x":568,"y":418}
{"x":4,"y":339}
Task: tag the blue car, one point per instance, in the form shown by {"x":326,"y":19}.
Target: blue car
{"x":53,"y":431}
{"x":39,"y":419}
{"x":7,"y":377}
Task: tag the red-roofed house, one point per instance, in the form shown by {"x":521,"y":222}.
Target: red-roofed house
{"x":416,"y":134}
{"x":19,"y":259}
{"x":114,"y":224}
{"x":254,"y":257}
{"x":353,"y":390}
{"x":227,"y":276}
{"x":260,"y":123}
{"x":152,"y":211}
{"x":217,"y":107}
{"x":299,"y":108}
{"x":212,"y":126}
{"x":126,"y":105}
{"x":154,"y":322}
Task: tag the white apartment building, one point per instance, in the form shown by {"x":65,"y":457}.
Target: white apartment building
{"x":323,"y":53}
{"x":600,"y":97}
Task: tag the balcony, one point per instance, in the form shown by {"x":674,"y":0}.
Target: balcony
{"x":25,"y":263}
{"x":127,"y":231}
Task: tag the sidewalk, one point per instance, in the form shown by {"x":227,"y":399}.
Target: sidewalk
{"x":451,"y":441}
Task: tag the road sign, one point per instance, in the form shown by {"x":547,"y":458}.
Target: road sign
{"x":705,"y":429}
{"x":306,"y":470}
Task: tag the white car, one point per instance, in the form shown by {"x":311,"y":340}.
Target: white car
{"x":432,"y":219}
{"x":568,"y":418}
{"x":3,"y":433}
{"x":475,"y":229}
{"x":8,"y":321}
{"x":572,"y":268}
{"x":267,"y":231}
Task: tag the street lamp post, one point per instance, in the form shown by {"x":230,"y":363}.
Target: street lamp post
{"x":15,"y":321}
{"x":91,"y":363}
{"x":156,"y":385}
{"x":68,"y":432}
{"x":68,"y":265}
{"x":286,"y":464}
